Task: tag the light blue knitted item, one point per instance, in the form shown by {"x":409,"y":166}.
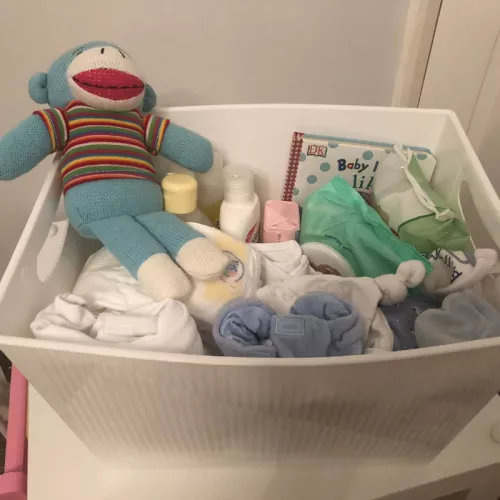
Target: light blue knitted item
{"x":126,"y":215}
{"x":127,"y":240}
{"x":135,"y":227}
{"x":187,"y":149}
{"x":110,"y":198}
{"x":23,"y":148}
{"x":132,"y":244}
{"x":169,"y":230}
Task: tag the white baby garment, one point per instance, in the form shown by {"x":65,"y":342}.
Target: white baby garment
{"x":107,"y":285}
{"x":280,"y":261}
{"x":71,"y":318}
{"x":362,"y":293}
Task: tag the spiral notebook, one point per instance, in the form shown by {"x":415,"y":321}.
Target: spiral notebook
{"x":315,"y":160}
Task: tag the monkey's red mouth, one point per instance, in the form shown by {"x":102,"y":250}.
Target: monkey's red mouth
{"x":109,"y":83}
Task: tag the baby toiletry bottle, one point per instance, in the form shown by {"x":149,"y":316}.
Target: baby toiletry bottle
{"x":211,"y":189}
{"x":240,"y":210}
{"x":179,"y":195}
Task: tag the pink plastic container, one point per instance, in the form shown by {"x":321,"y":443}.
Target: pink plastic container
{"x":13,"y":482}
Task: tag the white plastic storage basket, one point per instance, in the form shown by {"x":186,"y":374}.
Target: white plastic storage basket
{"x":152,"y":409}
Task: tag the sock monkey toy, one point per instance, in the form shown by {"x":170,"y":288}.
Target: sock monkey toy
{"x":110,"y":186}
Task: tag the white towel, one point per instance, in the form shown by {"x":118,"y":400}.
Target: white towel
{"x":106,"y":284}
{"x":280,"y":261}
{"x":71,"y":318}
{"x":108,"y":306}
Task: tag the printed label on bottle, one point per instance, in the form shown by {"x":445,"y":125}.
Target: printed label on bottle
{"x":253,"y":234}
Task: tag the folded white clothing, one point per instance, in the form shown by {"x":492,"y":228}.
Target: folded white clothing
{"x":364,"y":294}
{"x":116,"y":328}
{"x":280,"y":261}
{"x":107,"y":284}
{"x":71,"y":318}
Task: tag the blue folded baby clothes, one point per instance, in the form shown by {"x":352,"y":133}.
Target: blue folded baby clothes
{"x":463,"y":316}
{"x":401,"y":318}
{"x":318,"y":325}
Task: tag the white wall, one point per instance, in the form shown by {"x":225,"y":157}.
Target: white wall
{"x":463,"y":74}
{"x":204,"y":52}
{"x":461,"y":53}
{"x":484,"y":130}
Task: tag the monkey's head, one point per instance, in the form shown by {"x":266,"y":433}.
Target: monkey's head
{"x":99,"y":74}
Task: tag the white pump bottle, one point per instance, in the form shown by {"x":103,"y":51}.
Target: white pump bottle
{"x":240,"y":210}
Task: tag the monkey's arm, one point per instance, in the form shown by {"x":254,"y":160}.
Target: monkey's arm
{"x":178,"y":144}
{"x":187,"y":148}
{"x":24,"y":147}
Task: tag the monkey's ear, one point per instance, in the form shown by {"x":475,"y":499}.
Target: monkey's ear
{"x":149,"y":102}
{"x":38,"y":88}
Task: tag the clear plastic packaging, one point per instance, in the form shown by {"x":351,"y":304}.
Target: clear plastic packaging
{"x":413,"y":209}
{"x":211,"y":189}
{"x":339,"y":217}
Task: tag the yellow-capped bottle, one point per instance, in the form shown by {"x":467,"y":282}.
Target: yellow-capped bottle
{"x":180,"y":193}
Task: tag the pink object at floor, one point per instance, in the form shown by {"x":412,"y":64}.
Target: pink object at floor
{"x":13,"y":482}
{"x":281,"y":221}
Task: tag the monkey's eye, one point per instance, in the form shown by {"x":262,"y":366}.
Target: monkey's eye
{"x":78,"y":51}
{"x":123,"y":55}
